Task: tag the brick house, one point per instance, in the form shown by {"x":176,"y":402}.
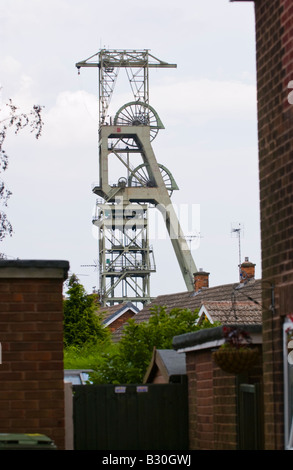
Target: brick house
{"x":115,"y":316}
{"x":239,"y":301}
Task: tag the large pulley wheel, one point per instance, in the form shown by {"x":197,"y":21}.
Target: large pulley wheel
{"x":137,"y":113}
{"x":140,"y":177}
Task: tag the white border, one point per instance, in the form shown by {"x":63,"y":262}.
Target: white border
{"x":288,"y":427}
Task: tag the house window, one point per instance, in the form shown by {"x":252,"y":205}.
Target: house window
{"x":288,"y":382}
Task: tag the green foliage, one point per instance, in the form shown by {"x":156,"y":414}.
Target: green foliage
{"x":87,"y":356}
{"x":128,"y":360}
{"x":81,"y":323}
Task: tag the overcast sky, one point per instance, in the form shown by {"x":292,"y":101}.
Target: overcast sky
{"x":207,"y":105}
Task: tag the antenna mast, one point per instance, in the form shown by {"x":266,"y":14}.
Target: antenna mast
{"x":238,"y":233}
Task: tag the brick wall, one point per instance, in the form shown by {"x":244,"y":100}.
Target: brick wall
{"x":31,"y":336}
{"x":274,"y":55}
{"x":212,"y":401}
{"x":204,"y":402}
{"x":225,"y":410}
{"x":121,"y":320}
{"x":212,"y":404}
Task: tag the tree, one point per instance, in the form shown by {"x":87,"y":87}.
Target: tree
{"x":14,"y":120}
{"x":128,"y":362}
{"x":81,"y":323}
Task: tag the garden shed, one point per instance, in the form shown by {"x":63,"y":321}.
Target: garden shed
{"x":166,"y":366}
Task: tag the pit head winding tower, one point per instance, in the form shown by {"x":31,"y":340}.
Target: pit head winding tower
{"x":125,"y":257}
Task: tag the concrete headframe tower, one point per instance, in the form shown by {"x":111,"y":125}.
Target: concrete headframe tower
{"x":125,"y":144}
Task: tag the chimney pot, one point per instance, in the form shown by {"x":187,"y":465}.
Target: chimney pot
{"x":247,"y":270}
{"x":201,"y":280}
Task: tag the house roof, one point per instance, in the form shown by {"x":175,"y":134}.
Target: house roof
{"x":212,"y":337}
{"x":227,"y":311}
{"x":110,"y":314}
{"x":169,"y":362}
{"x":241,"y":296}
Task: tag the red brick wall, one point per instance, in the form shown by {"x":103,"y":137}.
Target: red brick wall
{"x":225,"y":410}
{"x":212,"y":404}
{"x":204,"y":405}
{"x":212,"y":401}
{"x":192,"y":400}
{"x":31,"y":336}
{"x":274,"y":54}
{"x":121,"y":320}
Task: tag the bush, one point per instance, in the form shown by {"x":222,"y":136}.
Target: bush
{"x":127,"y":361}
{"x":81,"y":323}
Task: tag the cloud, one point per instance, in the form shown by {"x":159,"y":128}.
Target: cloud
{"x":72,"y":121}
{"x":203,"y":100}
{"x":208,"y":106}
{"x":193,"y":101}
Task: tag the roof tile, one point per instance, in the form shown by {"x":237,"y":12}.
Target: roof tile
{"x":243,"y":300}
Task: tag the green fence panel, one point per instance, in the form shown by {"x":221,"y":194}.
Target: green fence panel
{"x":130,"y":417}
{"x":250,"y":417}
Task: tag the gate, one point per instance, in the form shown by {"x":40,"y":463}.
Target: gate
{"x":250,"y":417}
{"x":130,"y":417}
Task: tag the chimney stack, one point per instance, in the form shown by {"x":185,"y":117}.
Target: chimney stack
{"x":201,"y":280}
{"x":247,"y":270}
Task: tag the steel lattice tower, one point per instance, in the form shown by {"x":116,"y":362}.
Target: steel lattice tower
{"x":125,"y":256}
